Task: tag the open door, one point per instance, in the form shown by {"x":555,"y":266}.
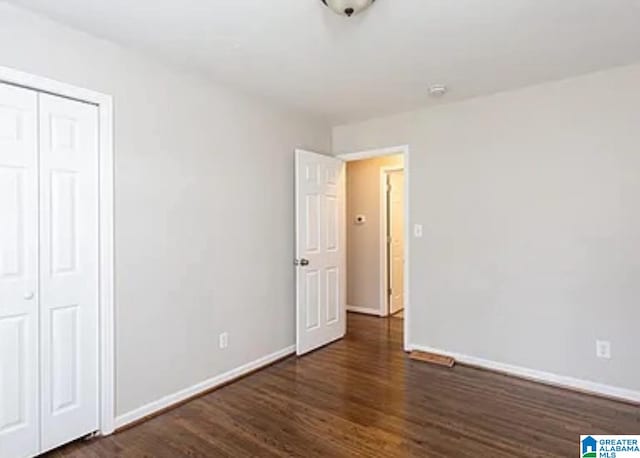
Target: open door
{"x":320,"y":251}
{"x":395,"y":221}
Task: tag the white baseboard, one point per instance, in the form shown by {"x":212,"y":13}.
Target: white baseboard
{"x":365,"y":310}
{"x":175,"y":398}
{"x":548,"y":378}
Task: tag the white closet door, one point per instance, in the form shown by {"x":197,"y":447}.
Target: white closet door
{"x":68,"y":269}
{"x":19,"y":428}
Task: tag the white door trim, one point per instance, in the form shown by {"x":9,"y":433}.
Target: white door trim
{"x":106,"y":231}
{"x":404,"y":150}
{"x":384,"y":220}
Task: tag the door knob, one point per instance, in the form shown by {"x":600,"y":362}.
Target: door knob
{"x":302,"y":262}
{"x":29,"y":295}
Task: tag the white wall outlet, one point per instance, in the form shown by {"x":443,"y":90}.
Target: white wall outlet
{"x":417,"y":230}
{"x":603,"y":349}
{"x":223,"y":340}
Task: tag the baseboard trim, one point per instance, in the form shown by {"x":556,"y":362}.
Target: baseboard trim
{"x":168,"y":402}
{"x":363,"y":310}
{"x":547,"y":378}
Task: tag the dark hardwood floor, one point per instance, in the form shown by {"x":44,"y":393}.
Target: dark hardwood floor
{"x":363,"y":397}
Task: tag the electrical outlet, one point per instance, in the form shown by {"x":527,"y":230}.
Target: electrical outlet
{"x":223,"y":340}
{"x":417,"y":230}
{"x":603,"y":349}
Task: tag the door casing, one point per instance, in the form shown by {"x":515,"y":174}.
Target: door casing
{"x":104,"y":102}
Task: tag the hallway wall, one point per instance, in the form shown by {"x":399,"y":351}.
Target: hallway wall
{"x":363,"y":240}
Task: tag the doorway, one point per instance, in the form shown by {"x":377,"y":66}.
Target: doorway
{"x":375,"y":239}
{"x":321,"y":225}
{"x":395,"y":302}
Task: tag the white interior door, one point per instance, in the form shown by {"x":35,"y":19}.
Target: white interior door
{"x":68,"y":269}
{"x":19,"y":428}
{"x":396,"y":245}
{"x":320,"y":250}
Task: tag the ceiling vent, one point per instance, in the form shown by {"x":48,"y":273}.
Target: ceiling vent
{"x":438,"y":90}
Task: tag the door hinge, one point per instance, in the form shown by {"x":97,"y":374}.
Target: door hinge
{"x":390,"y":292}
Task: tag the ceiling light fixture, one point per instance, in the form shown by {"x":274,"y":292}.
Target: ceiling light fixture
{"x":348,"y":7}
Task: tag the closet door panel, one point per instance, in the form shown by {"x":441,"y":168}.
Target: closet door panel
{"x":19,"y":393}
{"x":69,"y":269}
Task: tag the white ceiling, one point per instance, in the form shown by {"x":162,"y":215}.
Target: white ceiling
{"x":381,"y":62}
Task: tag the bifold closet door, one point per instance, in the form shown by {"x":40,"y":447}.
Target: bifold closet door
{"x":68,"y":269}
{"x":19,"y":421}
{"x":48,"y":271}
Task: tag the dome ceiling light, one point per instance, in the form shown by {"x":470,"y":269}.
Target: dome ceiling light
{"x":348,"y":7}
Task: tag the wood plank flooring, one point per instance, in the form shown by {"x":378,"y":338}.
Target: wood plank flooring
{"x":363,"y":397}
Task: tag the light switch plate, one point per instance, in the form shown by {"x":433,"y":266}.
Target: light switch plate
{"x":603,"y":349}
{"x":223,"y":340}
{"x":417,"y":230}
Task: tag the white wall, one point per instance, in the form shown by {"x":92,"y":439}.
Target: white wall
{"x":530,"y":202}
{"x":204,"y":209}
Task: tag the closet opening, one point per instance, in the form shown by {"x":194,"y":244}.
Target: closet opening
{"x":56,"y":264}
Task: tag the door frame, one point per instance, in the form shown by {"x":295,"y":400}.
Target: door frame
{"x":385,"y":306}
{"x":106,"y":305}
{"x":405,"y":152}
